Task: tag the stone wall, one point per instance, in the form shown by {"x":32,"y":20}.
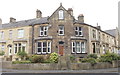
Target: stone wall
{"x":55,"y":66}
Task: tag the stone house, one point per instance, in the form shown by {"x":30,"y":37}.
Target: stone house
{"x":60,"y":33}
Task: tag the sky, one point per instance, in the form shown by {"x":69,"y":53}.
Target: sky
{"x":103,"y":12}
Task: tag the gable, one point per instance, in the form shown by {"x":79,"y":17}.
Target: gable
{"x":55,"y":15}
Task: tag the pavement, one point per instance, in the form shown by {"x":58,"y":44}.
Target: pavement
{"x":110,"y":70}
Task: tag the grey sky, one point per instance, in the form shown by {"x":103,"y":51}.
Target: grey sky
{"x":103,"y":12}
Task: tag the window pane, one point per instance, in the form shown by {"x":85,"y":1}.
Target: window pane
{"x":76,"y":32}
{"x":39,"y":49}
{"x":44,"y":49}
{"x":61,"y":14}
{"x":39,"y":44}
{"x":44,"y":44}
{"x":79,"y":28}
{"x":83,"y":47}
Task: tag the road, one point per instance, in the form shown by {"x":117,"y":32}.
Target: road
{"x":110,"y":70}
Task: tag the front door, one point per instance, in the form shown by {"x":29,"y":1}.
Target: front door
{"x":61,"y":52}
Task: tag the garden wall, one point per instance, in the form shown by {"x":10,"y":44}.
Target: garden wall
{"x":55,"y":66}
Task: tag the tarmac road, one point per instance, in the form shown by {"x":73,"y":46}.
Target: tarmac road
{"x":110,"y":70}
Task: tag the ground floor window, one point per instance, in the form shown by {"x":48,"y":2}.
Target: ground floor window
{"x":2,"y":47}
{"x":19,"y":47}
{"x":43,"y":47}
{"x":78,"y":47}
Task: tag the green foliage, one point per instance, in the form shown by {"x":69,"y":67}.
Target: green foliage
{"x":2,"y":53}
{"x":108,"y":57}
{"x":72,"y":58}
{"x":21,"y":62}
{"x":37,"y":59}
{"x":89,"y":60}
{"x":53,"y":57}
{"x":22,"y":54}
{"x":92,"y":56}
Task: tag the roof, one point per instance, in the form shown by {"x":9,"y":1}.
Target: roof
{"x":112,"y":32}
{"x":24,"y":23}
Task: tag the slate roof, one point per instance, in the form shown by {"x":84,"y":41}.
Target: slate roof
{"x":112,"y":32}
{"x":24,"y":23}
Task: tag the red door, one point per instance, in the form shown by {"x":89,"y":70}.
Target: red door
{"x":61,"y":50}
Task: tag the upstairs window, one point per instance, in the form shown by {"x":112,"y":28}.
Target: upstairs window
{"x":1,"y":35}
{"x":10,"y":34}
{"x":78,"y":31}
{"x":20,"y":33}
{"x":94,"y":33}
{"x":43,"y":30}
{"x":61,"y":30}
{"x":61,"y":14}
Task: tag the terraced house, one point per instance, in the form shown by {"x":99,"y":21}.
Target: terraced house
{"x":60,"y":33}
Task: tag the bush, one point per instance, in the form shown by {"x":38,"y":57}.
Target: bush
{"x":109,"y":57}
{"x":92,"y":56}
{"x":21,"y":62}
{"x":72,"y":58}
{"x":89,"y":60}
{"x":53,"y":57}
{"x":22,"y":54}
{"x":37,"y":59}
{"x":2,"y":53}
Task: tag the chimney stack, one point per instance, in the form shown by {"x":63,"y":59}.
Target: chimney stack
{"x":38,"y":14}
{"x":12,"y":20}
{"x":0,"y":21}
{"x":81,"y":18}
{"x":70,"y":11}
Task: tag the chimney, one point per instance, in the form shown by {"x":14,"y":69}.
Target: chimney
{"x":12,"y":20}
{"x":99,"y":27}
{"x":0,"y":21}
{"x":70,"y":11}
{"x":38,"y":14}
{"x":81,"y":18}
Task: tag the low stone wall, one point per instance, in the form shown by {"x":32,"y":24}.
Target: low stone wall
{"x":55,"y":66}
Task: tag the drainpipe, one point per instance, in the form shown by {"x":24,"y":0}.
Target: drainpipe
{"x":33,"y":39}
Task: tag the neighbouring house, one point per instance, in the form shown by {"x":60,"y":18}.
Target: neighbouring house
{"x":60,"y":33}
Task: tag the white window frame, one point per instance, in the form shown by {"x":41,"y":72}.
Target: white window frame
{"x":61,"y":30}
{"x":78,"y":31}
{"x":83,"y":47}
{"x":79,"y":47}
{"x":48,"y":46}
{"x":61,"y":14}
{"x":2,"y":35}
{"x":45,"y":29}
{"x":15,"y":47}
{"x":20,"y":33}
{"x":73,"y":46}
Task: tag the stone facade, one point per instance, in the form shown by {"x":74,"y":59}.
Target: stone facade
{"x":60,"y":33}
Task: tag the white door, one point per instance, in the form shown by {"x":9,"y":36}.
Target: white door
{"x":10,"y":50}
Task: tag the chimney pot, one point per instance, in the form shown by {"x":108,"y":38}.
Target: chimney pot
{"x":38,"y":14}
{"x":81,"y":18}
{"x":70,"y":11}
{"x":12,"y":20}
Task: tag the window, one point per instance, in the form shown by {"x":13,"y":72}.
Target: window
{"x":10,"y":34}
{"x":43,"y":30}
{"x":19,"y":47}
{"x":78,"y":47}
{"x":2,"y":35}
{"x":20,"y":33}
{"x":78,"y":31}
{"x":43,"y":47}
{"x":2,"y":47}
{"x":61,"y":14}
{"x":15,"y":48}
{"x":94,"y":34}
{"x":61,"y":30}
